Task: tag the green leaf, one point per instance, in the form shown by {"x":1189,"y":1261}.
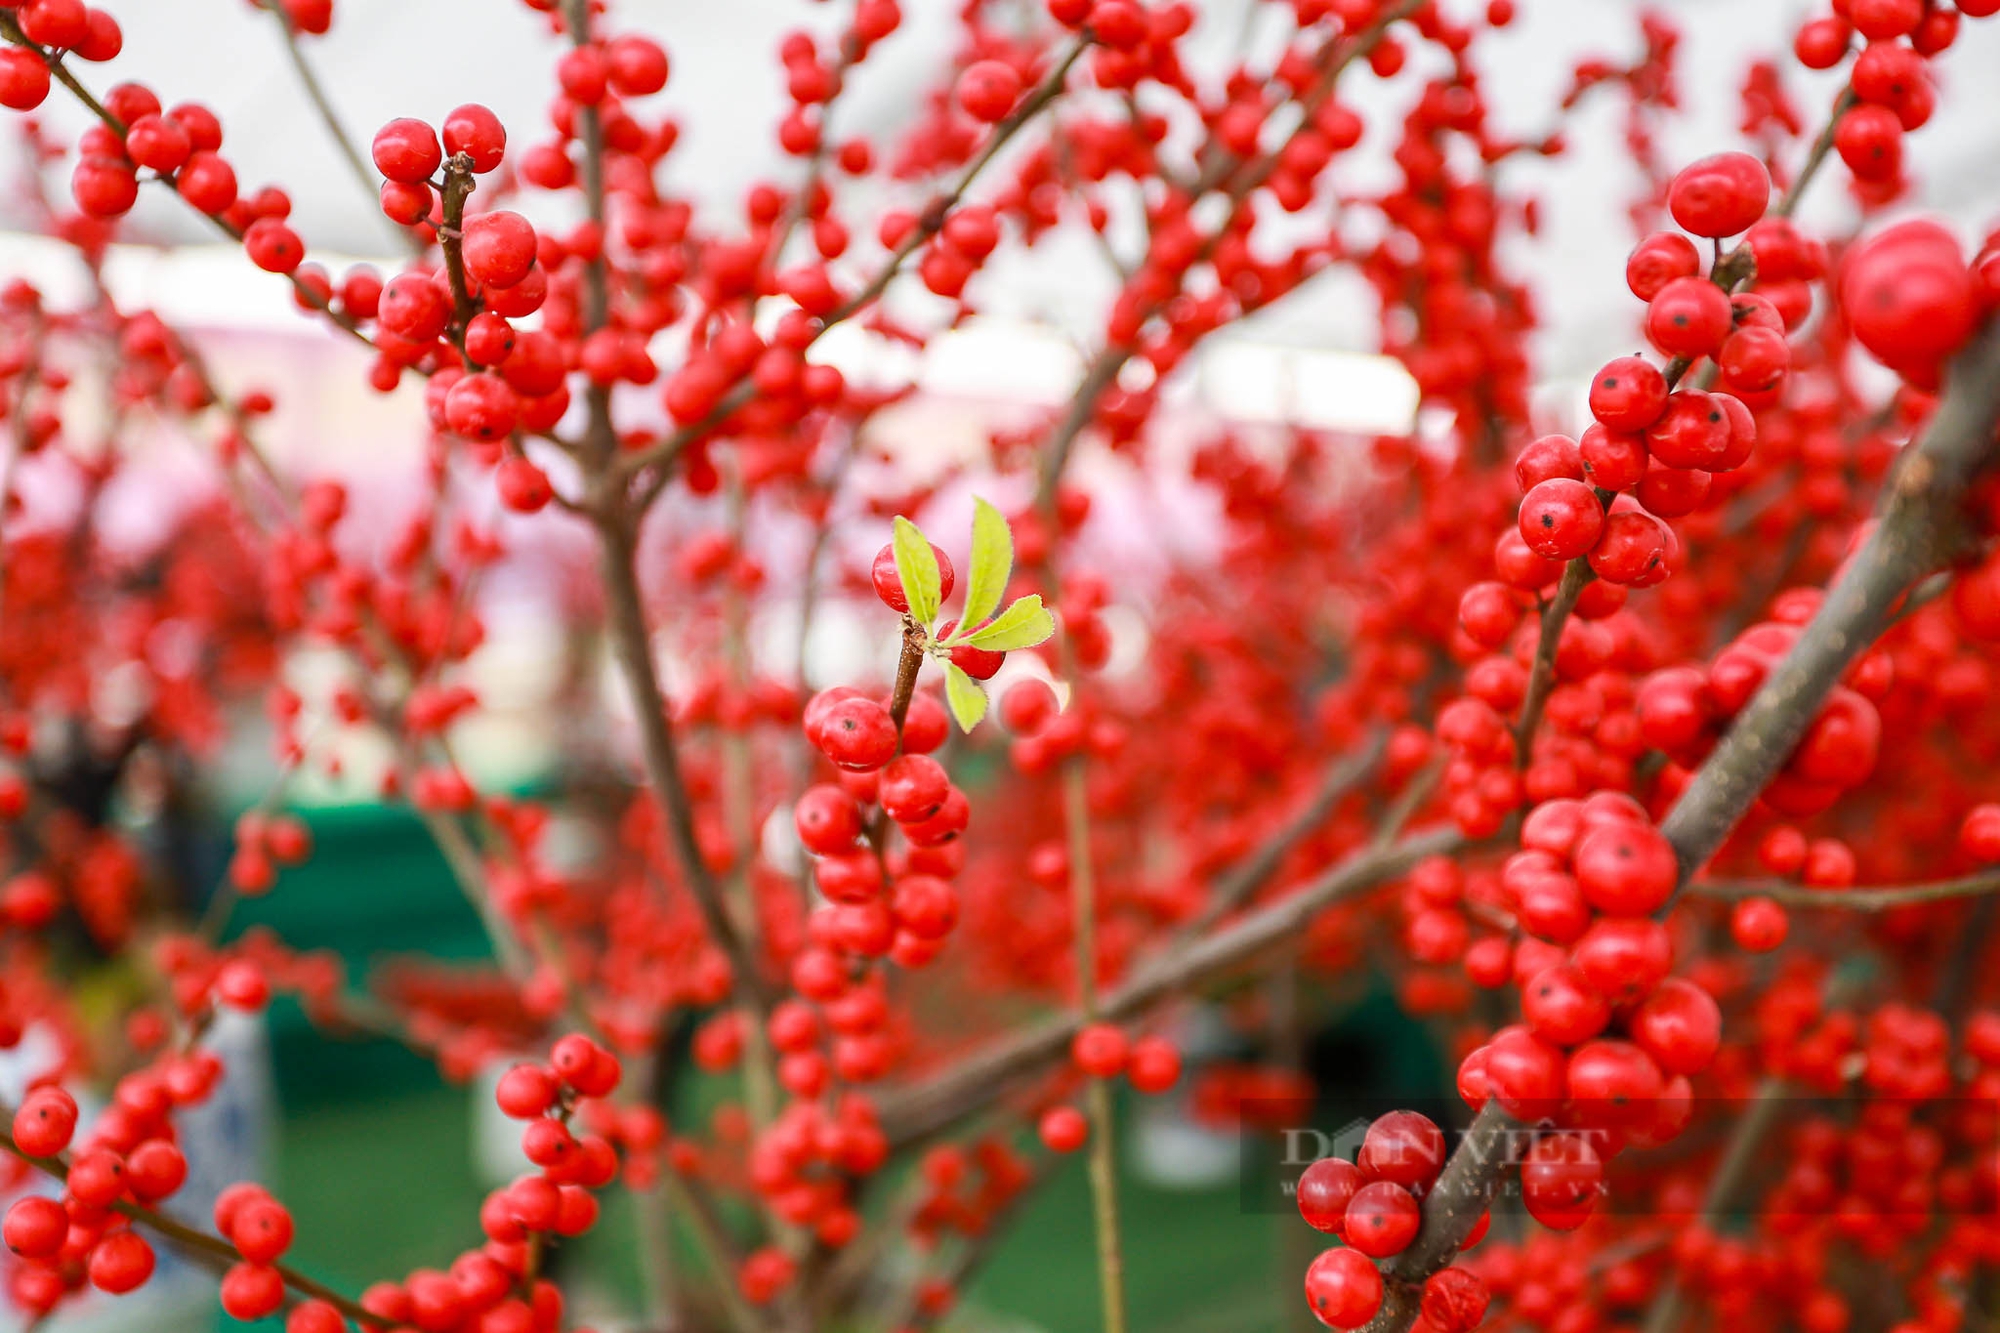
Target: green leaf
{"x":962,"y":692}
{"x":917,"y":567}
{"x":992,"y":566}
{"x":1022,"y":625}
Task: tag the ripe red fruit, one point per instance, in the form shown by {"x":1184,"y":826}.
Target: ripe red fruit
{"x":1561,"y":1179}
{"x":1658,"y":260}
{"x":406,"y":150}
{"x":1758,"y":925}
{"x":412,"y":307}
{"x":526,"y":1090}
{"x":1908,"y":295}
{"x":1626,"y":869}
{"x":1154,"y":1066}
{"x":1382,"y":1219}
{"x":1454,"y":1300}
{"x":889,"y":584}
{"x":636,"y":65}
{"x":913,"y":788}
{"x":827,"y":819}
{"x":1525,"y":1074}
{"x":1720,"y":195}
{"x":1679,"y":1026}
{"x":1561,"y":519}
{"x":1323,"y":1193}
{"x":855,"y":733}
{"x":104,"y":187}
{"x":44,"y":1122}
{"x":1627,"y":394}
{"x":1063,"y":1129}
{"x":121,"y":1262}
{"x":1100,"y":1050}
{"x":261,"y":1230}
{"x":499,"y":248}
{"x":251,"y":1291}
{"x":988,"y":90}
{"x":1403,"y":1147}
{"x":1562,"y":1007}
{"x":523,"y":487}
{"x":478,"y":133}
{"x":1027,"y":706}
{"x":1343,"y":1288}
{"x":35,"y":1227}
{"x":1632,"y":550}
{"x":1689,"y":317}
{"x":24,"y":79}
{"x":1613,"y":1083}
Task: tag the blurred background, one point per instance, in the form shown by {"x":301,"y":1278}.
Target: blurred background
{"x":349,"y":1131}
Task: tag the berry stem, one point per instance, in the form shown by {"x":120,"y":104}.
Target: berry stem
{"x":1103,"y":1125}
{"x":1851,"y":899}
{"x":316,"y":94}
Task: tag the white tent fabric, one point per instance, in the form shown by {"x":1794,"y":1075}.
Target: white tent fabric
{"x":421,"y":57}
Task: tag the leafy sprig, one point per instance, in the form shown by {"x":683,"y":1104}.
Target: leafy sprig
{"x":1023,"y":624}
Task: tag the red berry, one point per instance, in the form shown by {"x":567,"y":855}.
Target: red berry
{"x":988,"y":90}
{"x":1689,"y":317}
{"x":121,"y":1262}
{"x":1403,"y":1147}
{"x":1100,"y":1050}
{"x":1382,"y":1219}
{"x":1155,"y":1065}
{"x":1063,"y":1129}
{"x":35,"y":1227}
{"x":1343,"y":1288}
{"x":499,"y":249}
{"x":1324,"y":1190}
{"x":1561,"y":519}
{"x":478,"y":133}
{"x":407,"y":150}
{"x":1560,"y":1180}
{"x":1720,"y":195}
{"x":889,"y":583}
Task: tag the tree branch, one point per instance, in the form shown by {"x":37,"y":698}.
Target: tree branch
{"x":663,"y":768}
{"x":921,"y":1110}
{"x":1919,"y":529}
{"x":1850,"y":899}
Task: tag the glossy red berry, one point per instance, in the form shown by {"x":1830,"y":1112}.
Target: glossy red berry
{"x":1063,"y":1129}
{"x":1343,"y":1288}
{"x":1382,"y":1219}
{"x":35,"y":1227}
{"x":1323,"y":1193}
{"x":1404,"y":1147}
{"x":1561,"y":519}
{"x":1100,"y":1050}
{"x":407,"y":151}
{"x":1720,"y":195}
{"x":889,"y":583}
{"x":988,"y":90}
{"x":478,"y":133}
{"x":1689,"y":317}
{"x":120,"y":1263}
{"x":1561,"y":1180}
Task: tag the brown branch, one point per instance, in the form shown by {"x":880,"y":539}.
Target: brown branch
{"x":1241,"y":883}
{"x":316,"y":94}
{"x":929,"y":224}
{"x":10,"y":30}
{"x":923,"y":1109}
{"x":634,"y":649}
{"x":1850,"y":899}
{"x":1920,"y":528}
{"x":211,"y":1252}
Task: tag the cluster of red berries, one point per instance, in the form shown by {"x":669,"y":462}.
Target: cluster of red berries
{"x":1373,"y":1204}
{"x":1152,"y":1065}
